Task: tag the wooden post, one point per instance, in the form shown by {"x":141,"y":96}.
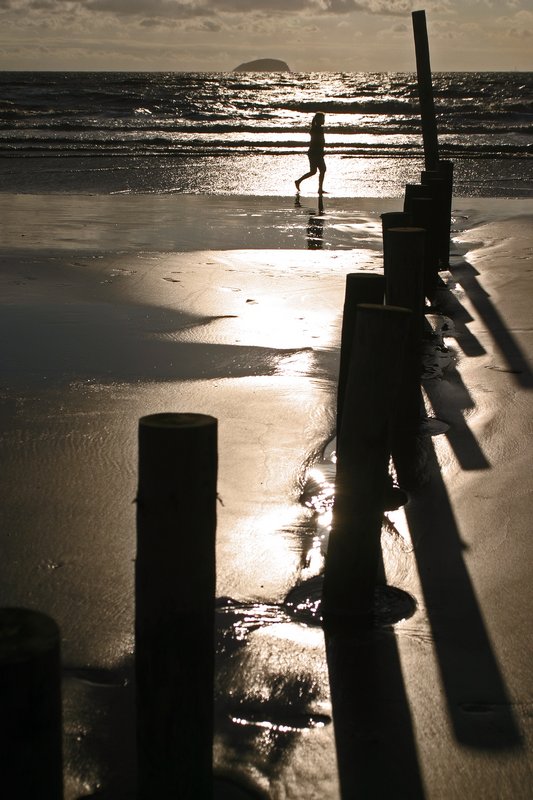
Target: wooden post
{"x":175,"y":598}
{"x":361,"y":287}
{"x":30,"y":706}
{"x":412,"y":191}
{"x":404,"y":287}
{"x":363,"y":449}
{"x":425,"y":214}
{"x":405,"y":271}
{"x":392,"y":219}
{"x":425,"y":90}
{"x":442,"y":180}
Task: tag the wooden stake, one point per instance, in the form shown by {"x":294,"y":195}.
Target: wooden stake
{"x":363,"y":448}
{"x":393,"y":219}
{"x":174,"y":614}
{"x":441,"y":183}
{"x":405,"y":287}
{"x":361,"y":287}
{"x":30,"y":704}
{"x":425,"y":214}
{"x":425,"y":91}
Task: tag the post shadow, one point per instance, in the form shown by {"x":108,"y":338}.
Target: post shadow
{"x":446,"y":303}
{"x":374,"y":736}
{"x":478,"y":703}
{"x":517,"y":362}
{"x":449,"y":400}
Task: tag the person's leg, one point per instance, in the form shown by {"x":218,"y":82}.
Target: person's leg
{"x":321,"y":174}
{"x":304,"y":177}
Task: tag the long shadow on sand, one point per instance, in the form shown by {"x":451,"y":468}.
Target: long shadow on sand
{"x":478,"y":703}
{"x":517,"y":363}
{"x":451,"y":400}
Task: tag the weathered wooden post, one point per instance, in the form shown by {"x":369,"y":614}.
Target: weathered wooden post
{"x":414,"y":191}
{"x":405,"y":270}
{"x":363,"y":449}
{"x":425,"y":214}
{"x":442,"y":181}
{"x":393,"y":219}
{"x":30,"y":706}
{"x":174,"y":604}
{"x":361,"y":287}
{"x":425,"y":91}
{"x":404,"y":287}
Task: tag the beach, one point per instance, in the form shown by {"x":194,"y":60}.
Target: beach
{"x":114,"y":307}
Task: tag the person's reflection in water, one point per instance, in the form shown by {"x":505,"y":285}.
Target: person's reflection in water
{"x":315,"y":228}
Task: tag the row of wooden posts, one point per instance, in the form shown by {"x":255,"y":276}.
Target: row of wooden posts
{"x":378,"y":414}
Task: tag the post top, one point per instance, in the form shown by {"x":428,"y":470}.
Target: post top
{"x":176,"y":420}
{"x":406,"y":229}
{"x":383,"y":309}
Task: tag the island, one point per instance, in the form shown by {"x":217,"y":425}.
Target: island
{"x":263,"y":65}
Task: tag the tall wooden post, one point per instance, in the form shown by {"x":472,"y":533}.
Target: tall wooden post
{"x":174,"y":604}
{"x":30,"y":706}
{"x":425,"y":91}
{"x":363,"y":449}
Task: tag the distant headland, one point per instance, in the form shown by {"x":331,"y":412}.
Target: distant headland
{"x":263,"y":65}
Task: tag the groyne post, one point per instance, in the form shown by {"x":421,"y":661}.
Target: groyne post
{"x":425,"y":91}
{"x":392,"y":219}
{"x":363,"y":451}
{"x":30,"y":703}
{"x":361,"y":287}
{"x":442,"y":181}
{"x":413,"y":191}
{"x":174,"y":604}
{"x":404,"y":286}
{"x":425,"y":214}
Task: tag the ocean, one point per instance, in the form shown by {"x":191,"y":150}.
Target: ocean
{"x":247,"y":133}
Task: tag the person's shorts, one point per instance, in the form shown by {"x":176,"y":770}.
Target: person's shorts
{"x":317,"y":162}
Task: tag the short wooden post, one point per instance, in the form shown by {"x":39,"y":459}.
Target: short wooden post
{"x":393,"y":219}
{"x":442,"y":181}
{"x":424,"y":214}
{"x":361,"y":287}
{"x":412,"y":191}
{"x":405,"y":270}
{"x":425,"y":90}
{"x":174,"y":604}
{"x":363,"y":450}
{"x":405,"y":287}
{"x":30,"y":706}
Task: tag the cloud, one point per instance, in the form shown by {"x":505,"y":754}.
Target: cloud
{"x":209,"y":9}
{"x":172,"y":9}
{"x":385,"y":7}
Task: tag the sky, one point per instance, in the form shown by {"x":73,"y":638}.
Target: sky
{"x":218,"y":35}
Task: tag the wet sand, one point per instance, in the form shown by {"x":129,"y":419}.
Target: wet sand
{"x":116,"y":307}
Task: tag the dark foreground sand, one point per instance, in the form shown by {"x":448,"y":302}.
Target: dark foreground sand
{"x":115,"y":307}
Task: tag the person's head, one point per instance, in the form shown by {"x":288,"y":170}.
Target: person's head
{"x":318,"y":119}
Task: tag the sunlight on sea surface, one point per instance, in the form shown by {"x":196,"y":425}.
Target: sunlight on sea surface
{"x":249,"y":133}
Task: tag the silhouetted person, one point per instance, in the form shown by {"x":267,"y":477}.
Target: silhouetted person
{"x":315,"y":153}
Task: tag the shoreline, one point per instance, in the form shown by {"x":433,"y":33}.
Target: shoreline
{"x":126,"y":223}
